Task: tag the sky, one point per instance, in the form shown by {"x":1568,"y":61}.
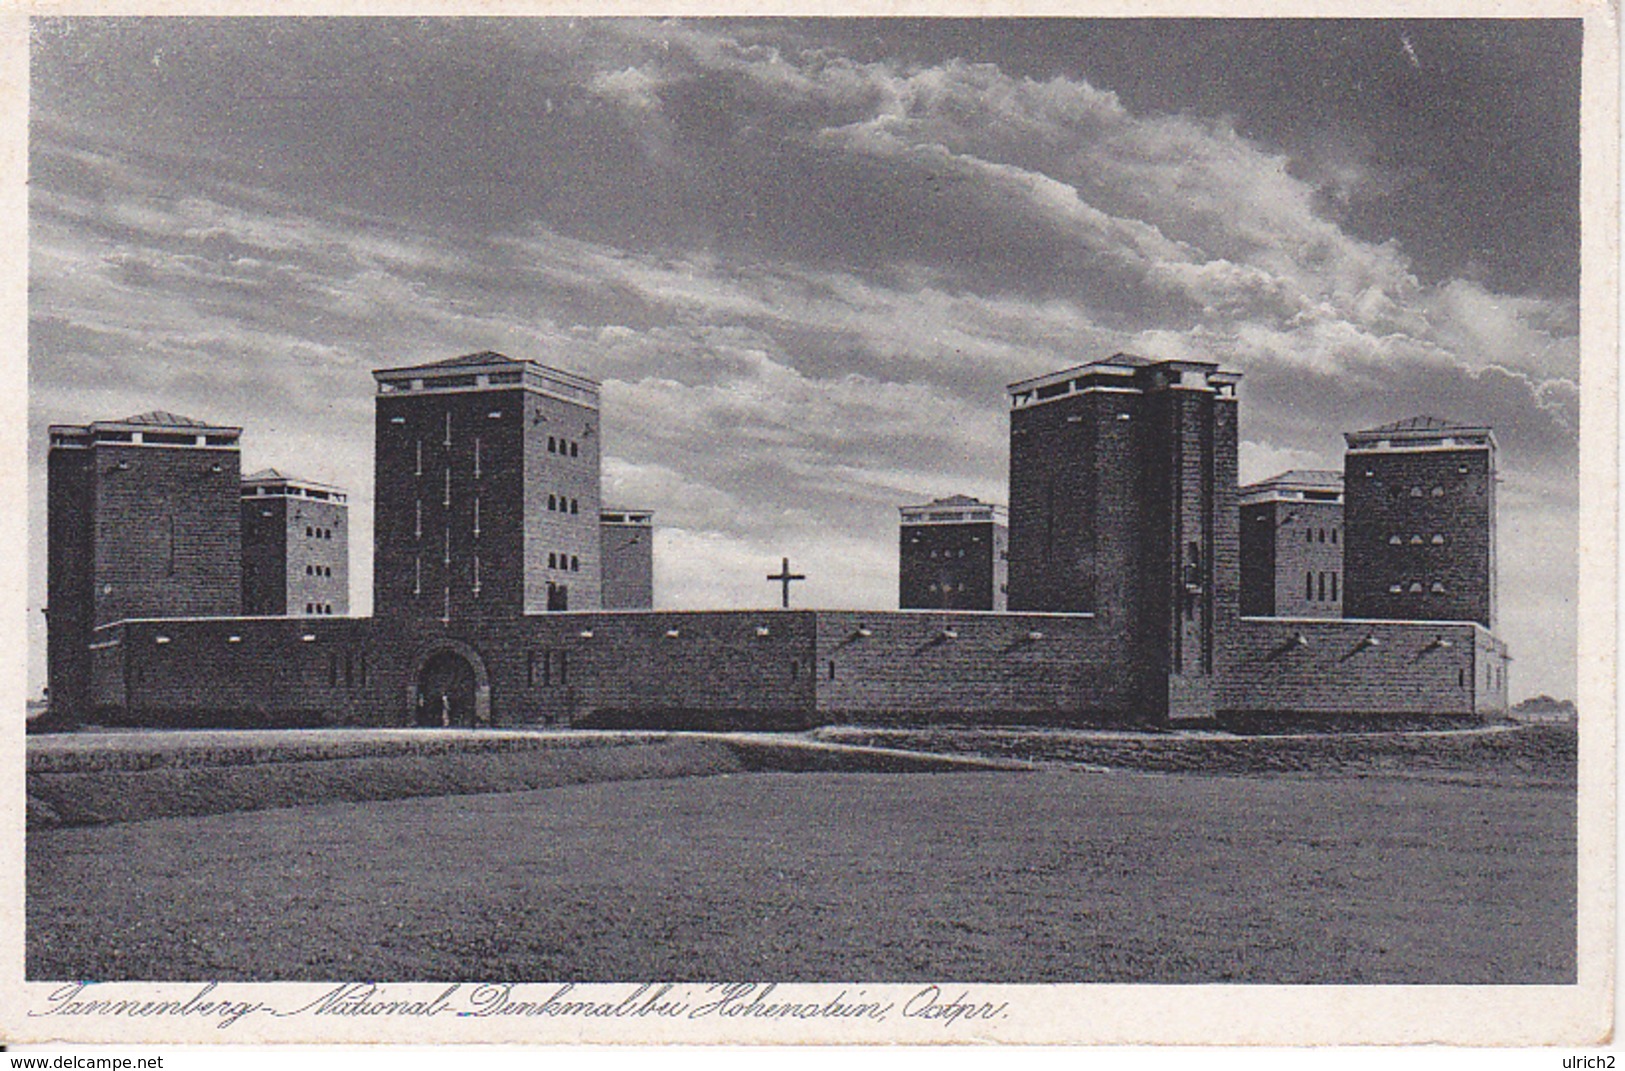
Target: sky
{"x":804,"y":257}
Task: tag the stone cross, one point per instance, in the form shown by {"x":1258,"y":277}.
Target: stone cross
{"x":784,"y":577}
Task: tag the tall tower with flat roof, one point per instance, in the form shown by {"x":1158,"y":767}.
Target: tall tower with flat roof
{"x":1123,"y":505}
{"x":1292,"y":545}
{"x":296,"y":546}
{"x":1420,"y":512}
{"x":487,"y":490}
{"x":953,"y":554}
{"x":142,"y":521}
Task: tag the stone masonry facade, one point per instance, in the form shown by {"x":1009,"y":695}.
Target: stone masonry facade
{"x":1124,"y":576}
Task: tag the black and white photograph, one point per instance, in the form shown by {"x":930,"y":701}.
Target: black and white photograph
{"x":838,"y":529}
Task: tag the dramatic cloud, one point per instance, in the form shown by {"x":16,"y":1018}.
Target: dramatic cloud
{"x":803,"y":266}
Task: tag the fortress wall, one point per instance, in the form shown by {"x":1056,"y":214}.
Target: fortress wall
{"x":624,"y":669}
{"x":1316,"y":667}
{"x":769,"y":669}
{"x":948,"y":667}
{"x":192,"y":671}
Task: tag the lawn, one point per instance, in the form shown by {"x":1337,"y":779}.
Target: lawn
{"x":1062,"y":875}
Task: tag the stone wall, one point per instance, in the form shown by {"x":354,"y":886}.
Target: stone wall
{"x":770,"y":669}
{"x":1361,"y":667}
{"x":969,"y":668}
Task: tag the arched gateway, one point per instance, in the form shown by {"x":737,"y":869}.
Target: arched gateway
{"x":448,"y":687}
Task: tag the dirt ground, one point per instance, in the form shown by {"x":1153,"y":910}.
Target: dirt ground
{"x":1064,"y":875}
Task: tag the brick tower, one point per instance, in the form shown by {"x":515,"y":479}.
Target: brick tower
{"x":1292,"y":545}
{"x":296,"y":546}
{"x":627,"y":552}
{"x":953,"y":554}
{"x":1123,"y":505}
{"x":487,"y":491}
{"x":142,"y":521}
{"x":1420,"y":514}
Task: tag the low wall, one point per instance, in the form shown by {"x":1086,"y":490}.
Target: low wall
{"x":940,"y":667}
{"x":1361,"y":668}
{"x":770,"y":670}
{"x":243,"y":671}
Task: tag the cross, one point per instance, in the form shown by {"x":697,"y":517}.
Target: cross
{"x":784,"y":577}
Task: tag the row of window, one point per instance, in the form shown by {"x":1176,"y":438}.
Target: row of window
{"x":346,"y":668}
{"x":1314,"y":591}
{"x":1396,"y":540}
{"x":318,"y":533}
{"x":566,"y":447}
{"x":949,"y":589}
{"x":478,"y":453}
{"x":417,"y":574}
{"x":550,"y":667}
{"x":562,"y":504}
{"x":547,"y":667}
{"x":318,"y":570}
{"x":1414,"y":587}
{"x":1461,"y":470}
{"x":563,"y":561}
{"x":318,"y":607}
{"x":1318,"y":535}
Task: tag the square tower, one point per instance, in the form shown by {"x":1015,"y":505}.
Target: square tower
{"x":1123,"y":505}
{"x":487,"y":490}
{"x":953,"y":554}
{"x":1420,"y":508}
{"x":296,"y":546}
{"x":142,"y":521}
{"x":627,"y":539}
{"x":1292,"y":545}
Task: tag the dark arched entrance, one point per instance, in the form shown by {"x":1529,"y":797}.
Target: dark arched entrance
{"x":446,"y":691}
{"x":448,"y":685}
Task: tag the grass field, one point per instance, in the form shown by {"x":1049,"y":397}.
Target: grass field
{"x":1055,"y":876}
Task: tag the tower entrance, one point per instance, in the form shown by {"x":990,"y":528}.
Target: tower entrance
{"x":449,"y":689}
